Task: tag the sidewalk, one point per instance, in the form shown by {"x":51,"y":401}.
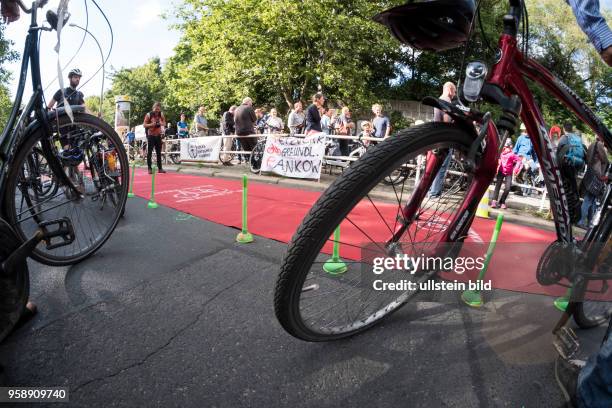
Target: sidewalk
{"x":521,"y":210}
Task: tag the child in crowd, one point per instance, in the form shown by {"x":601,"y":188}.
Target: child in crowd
{"x":366,"y":131}
{"x":508,"y":163}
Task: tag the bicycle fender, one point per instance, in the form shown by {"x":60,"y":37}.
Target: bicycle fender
{"x":52,"y":115}
{"x":459,"y":117}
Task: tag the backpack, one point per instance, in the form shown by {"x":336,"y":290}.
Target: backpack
{"x":574,"y":152}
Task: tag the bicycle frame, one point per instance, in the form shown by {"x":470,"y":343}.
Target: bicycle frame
{"x":509,"y":74}
{"x":17,"y":127}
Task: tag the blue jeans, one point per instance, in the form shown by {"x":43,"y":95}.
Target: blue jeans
{"x":588,"y":205}
{"x":595,"y":379}
{"x":438,"y":183}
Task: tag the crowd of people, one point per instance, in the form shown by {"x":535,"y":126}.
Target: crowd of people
{"x":246,"y":120}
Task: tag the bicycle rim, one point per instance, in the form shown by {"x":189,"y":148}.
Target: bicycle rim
{"x":318,"y":300}
{"x":101,"y":177}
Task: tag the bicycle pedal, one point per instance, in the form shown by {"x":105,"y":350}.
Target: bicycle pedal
{"x":60,"y":228}
{"x":566,"y":342}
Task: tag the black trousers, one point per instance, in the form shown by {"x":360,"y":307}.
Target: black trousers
{"x":247,"y":143}
{"x":154,"y":142}
{"x":508,"y":183}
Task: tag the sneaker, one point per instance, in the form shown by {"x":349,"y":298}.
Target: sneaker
{"x":493,"y":204}
{"x":161,"y":171}
{"x":504,"y":206}
{"x":150,"y":171}
{"x":566,"y":374}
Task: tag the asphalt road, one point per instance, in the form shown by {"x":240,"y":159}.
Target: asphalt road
{"x":172,"y":312}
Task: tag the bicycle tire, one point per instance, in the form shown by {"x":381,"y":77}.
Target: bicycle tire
{"x":15,"y":288}
{"x":330,"y":209}
{"x":592,"y":313}
{"x":86,"y":242}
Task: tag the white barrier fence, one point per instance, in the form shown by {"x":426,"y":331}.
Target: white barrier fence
{"x":331,"y":160}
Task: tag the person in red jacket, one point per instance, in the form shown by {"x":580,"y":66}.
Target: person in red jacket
{"x":508,"y":163}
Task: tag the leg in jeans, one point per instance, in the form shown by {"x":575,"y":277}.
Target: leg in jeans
{"x":498,"y":184}
{"x":507,"y":186}
{"x":595,"y":379}
{"x":586,"y":209}
{"x":438,"y":183}
{"x":158,"y":146}
{"x":150,"y":143}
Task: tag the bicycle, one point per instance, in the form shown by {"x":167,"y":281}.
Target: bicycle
{"x":314,"y":305}
{"x":63,"y":181}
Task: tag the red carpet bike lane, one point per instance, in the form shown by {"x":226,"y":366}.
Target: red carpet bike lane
{"x":275,"y":212}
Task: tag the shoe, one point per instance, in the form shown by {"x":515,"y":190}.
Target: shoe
{"x":150,"y":171}
{"x":493,"y":204}
{"x":583,"y":226}
{"x":29,"y":311}
{"x":161,"y":171}
{"x":503,"y":206}
{"x":566,"y":374}
{"x":434,"y":195}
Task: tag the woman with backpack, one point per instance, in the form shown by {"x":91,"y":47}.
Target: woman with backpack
{"x":509,"y":164}
{"x":571,"y":156}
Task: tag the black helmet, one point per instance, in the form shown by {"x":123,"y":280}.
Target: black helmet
{"x":436,"y":25}
{"x":72,"y":157}
{"x":75,"y":71}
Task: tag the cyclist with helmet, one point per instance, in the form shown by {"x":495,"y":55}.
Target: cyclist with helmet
{"x":72,"y":95}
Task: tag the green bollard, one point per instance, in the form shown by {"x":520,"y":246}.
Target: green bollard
{"x":335,"y":265}
{"x":152,"y":203}
{"x":131,"y":193}
{"x":562,"y":302}
{"x":473,"y":298}
{"x":244,"y":236}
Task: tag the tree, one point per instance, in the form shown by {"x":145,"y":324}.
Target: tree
{"x":6,"y":55}
{"x":92,"y":103}
{"x":144,"y":84}
{"x":279,"y":51}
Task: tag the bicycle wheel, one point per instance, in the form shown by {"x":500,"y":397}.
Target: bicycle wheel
{"x":14,"y":288}
{"x":317,"y":304}
{"x":257,"y":156}
{"x":100,"y":175}
{"x":455,"y":176}
{"x":592,"y":313}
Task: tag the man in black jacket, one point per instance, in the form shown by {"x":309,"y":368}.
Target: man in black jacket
{"x":313,"y":117}
{"x":228,"y":128}
{"x":244,"y":120}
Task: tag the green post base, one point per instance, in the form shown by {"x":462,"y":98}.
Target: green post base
{"x":244,"y":238}
{"x":335,"y":266}
{"x":472,"y":298}
{"x":131,"y":195}
{"x":561,"y":303}
{"x":152,"y":204}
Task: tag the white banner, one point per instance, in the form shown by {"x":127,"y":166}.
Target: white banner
{"x":202,"y":149}
{"x":294,"y":157}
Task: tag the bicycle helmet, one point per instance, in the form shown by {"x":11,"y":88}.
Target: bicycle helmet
{"x":72,"y":157}
{"x":75,"y":71}
{"x":436,"y":25}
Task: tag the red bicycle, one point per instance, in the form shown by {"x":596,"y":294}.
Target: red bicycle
{"x":317,"y":299}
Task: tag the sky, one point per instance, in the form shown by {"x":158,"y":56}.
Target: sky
{"x":139,"y":34}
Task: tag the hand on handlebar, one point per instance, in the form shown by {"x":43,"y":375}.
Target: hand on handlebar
{"x":10,"y":10}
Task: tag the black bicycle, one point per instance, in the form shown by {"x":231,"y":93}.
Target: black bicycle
{"x":63,"y":181}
